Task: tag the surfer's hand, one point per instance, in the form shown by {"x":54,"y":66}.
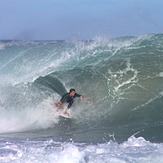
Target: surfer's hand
{"x":89,"y":101}
{"x":86,"y":99}
{"x":59,"y":104}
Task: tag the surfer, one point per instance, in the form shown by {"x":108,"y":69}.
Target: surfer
{"x":69,"y":98}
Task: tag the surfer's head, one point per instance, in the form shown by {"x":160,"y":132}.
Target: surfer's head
{"x":72,"y":92}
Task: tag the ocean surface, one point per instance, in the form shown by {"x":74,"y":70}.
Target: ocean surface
{"x":123,"y":77}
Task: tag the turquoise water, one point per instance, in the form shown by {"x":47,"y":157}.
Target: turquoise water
{"x":123,"y":77}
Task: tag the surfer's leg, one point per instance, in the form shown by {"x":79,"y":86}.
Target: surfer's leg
{"x":70,"y":104}
{"x":65,"y":111}
{"x":68,"y":107}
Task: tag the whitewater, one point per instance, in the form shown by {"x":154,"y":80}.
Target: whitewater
{"x":123,"y":77}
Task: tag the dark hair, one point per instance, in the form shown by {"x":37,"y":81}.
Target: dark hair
{"x":71,"y":90}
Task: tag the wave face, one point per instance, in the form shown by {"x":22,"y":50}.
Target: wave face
{"x":123,"y":76}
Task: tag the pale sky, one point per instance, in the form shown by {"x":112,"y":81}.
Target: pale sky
{"x":79,"y":19}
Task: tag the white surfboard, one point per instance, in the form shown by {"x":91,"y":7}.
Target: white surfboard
{"x":62,"y":114}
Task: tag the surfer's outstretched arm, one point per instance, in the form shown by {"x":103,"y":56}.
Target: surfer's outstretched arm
{"x":86,"y":99}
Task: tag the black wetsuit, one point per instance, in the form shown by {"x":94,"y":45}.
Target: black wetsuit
{"x":69,"y":99}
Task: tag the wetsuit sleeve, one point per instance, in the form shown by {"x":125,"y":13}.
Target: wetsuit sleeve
{"x":77,"y":95}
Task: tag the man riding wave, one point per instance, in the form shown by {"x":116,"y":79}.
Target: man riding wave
{"x":69,"y":99}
